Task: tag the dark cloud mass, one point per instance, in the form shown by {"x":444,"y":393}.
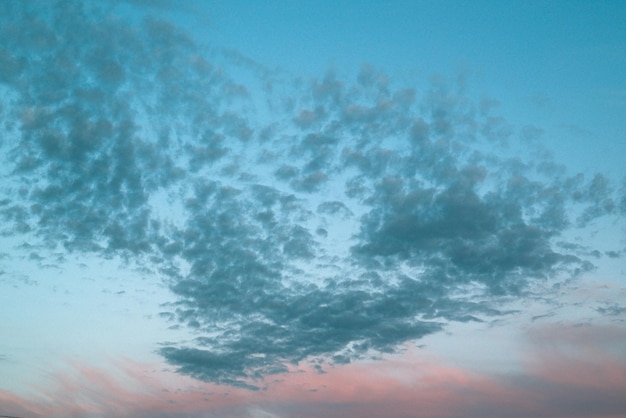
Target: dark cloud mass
{"x":328,"y":220}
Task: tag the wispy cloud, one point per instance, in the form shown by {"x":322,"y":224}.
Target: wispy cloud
{"x":567,"y":370}
{"x":322,"y":220}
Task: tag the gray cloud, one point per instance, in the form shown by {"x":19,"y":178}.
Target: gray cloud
{"x":134,"y":141}
{"x":612,"y":309}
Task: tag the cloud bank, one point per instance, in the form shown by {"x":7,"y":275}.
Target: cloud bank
{"x":320,"y":220}
{"x":567,"y":371}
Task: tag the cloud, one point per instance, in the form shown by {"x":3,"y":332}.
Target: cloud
{"x":122,"y":388}
{"x":325,"y":220}
{"x":612,"y":309}
{"x":566,"y":371}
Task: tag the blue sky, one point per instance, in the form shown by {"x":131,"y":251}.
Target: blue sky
{"x":287,"y":209}
{"x":558,"y":63}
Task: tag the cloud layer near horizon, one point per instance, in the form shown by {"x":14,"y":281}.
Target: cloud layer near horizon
{"x":322,"y":220}
{"x":568,"y":371}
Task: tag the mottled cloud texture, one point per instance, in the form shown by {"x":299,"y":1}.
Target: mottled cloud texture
{"x":320,"y":219}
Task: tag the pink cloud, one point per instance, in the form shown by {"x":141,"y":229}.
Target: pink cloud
{"x":568,"y":372}
{"x":12,"y":404}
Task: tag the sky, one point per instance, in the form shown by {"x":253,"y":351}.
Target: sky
{"x":313,"y":209}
